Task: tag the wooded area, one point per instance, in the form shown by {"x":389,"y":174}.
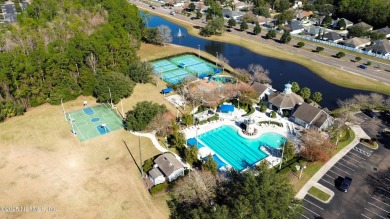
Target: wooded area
{"x":57,"y":49}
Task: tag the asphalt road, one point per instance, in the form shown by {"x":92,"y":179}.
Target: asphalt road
{"x":324,"y":57}
{"x":360,"y":201}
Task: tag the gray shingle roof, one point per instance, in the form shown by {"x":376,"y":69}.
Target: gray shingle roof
{"x":357,"y":41}
{"x":363,"y":24}
{"x":295,"y":25}
{"x":154,"y":173}
{"x":381,"y":47}
{"x":283,"y":100}
{"x":385,"y":30}
{"x":332,"y":36}
{"x":168,"y":163}
{"x":311,"y":115}
{"x":260,"y":88}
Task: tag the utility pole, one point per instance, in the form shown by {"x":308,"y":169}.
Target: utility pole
{"x":281,"y":161}
{"x":109,"y":90}
{"x":123,"y":114}
{"x":63,"y":109}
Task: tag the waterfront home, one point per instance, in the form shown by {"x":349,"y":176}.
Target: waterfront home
{"x":310,"y":116}
{"x":262,"y":90}
{"x":356,"y":43}
{"x":381,"y":48}
{"x":166,"y":168}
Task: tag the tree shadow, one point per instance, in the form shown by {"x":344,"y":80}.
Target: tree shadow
{"x":378,"y":182}
{"x":197,"y":27}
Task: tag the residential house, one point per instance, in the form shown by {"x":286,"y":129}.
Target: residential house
{"x":303,"y":15}
{"x":312,"y":31}
{"x":381,"y":48}
{"x":286,"y":100}
{"x":310,"y":116}
{"x":262,"y":90}
{"x":167,"y":166}
{"x":263,"y":20}
{"x":364,"y":25}
{"x":236,"y":15}
{"x":332,"y":37}
{"x":295,"y":27}
{"x":385,"y":31}
{"x":240,"y":5}
{"x":356,"y":43}
{"x":348,"y":23}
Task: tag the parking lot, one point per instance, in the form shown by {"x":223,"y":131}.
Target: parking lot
{"x":362,"y":200}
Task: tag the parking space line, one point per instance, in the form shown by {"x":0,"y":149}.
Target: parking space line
{"x":305,"y":216}
{"x":379,"y":207}
{"x":327,"y":182}
{"x":345,"y":166}
{"x":387,"y":179}
{"x":357,"y":155}
{"x":365,"y":216}
{"x":342,"y":170}
{"x":312,"y":211}
{"x":383,"y":190}
{"x":314,"y":204}
{"x":329,"y":176}
{"x":333,"y":172}
{"x":375,"y":213}
{"x":384,"y":196}
{"x":380,"y":201}
{"x":351,"y":163}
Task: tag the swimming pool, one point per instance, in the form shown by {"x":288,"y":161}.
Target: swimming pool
{"x":238,"y":151}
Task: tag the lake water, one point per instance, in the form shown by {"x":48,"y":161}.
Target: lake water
{"x":281,"y":71}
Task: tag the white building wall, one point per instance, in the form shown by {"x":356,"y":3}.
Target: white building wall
{"x":158,"y":180}
{"x":176,"y":174}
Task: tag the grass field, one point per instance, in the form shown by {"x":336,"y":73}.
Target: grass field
{"x":331,"y":74}
{"x":42,"y":164}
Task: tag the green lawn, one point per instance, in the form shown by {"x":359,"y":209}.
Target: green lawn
{"x":314,"y":191}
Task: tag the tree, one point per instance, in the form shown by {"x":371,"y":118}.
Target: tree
{"x":232,"y":22}
{"x":289,"y":151}
{"x":213,"y":27}
{"x":210,"y":165}
{"x":187,"y":119}
{"x":315,"y":147}
{"x":243,"y":26}
{"x":257,"y":29}
{"x":300,"y":44}
{"x":165,"y":34}
{"x":282,"y":5}
{"x":376,"y":35}
{"x":140,"y":72}
{"x":199,"y":14}
{"x":340,"y":55}
{"x":327,"y":21}
{"x":142,"y":114}
{"x":319,"y":49}
{"x":263,"y":108}
{"x":191,"y":155}
{"x":358,"y":58}
{"x":341,"y":25}
{"x":295,"y":87}
{"x":270,"y":34}
{"x":358,"y":31}
{"x":305,"y":93}
{"x":317,"y":97}
{"x":120,"y":86}
{"x":284,"y":17}
{"x":259,"y":74}
{"x":368,"y":63}
{"x":286,"y":37}
{"x":161,"y":123}
{"x":192,"y":6}
{"x":273,"y":114}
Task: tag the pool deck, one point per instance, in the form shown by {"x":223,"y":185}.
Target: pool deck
{"x":287,"y":131}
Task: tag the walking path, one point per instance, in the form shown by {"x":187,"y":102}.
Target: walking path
{"x":359,"y":133}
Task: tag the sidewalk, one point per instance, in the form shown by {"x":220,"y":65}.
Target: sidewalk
{"x":359,"y":133}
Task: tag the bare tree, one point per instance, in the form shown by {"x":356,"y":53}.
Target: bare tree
{"x":199,"y":187}
{"x":259,"y":74}
{"x":92,"y":62}
{"x":161,"y":123}
{"x":223,"y":61}
{"x":165,"y":34}
{"x":362,"y":100}
{"x":377,"y":100}
{"x":315,"y":146}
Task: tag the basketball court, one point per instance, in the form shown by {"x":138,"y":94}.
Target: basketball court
{"x":91,"y":122}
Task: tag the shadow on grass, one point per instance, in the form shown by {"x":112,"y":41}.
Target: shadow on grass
{"x":139,"y":168}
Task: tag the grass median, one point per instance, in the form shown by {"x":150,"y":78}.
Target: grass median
{"x":319,"y":194}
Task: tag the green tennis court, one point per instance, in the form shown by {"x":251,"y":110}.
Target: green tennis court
{"x":94,"y":121}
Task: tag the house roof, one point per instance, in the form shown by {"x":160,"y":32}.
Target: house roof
{"x":154,"y":173}
{"x":382,"y":46}
{"x":347,"y":22}
{"x":385,"y":30}
{"x":230,"y":13}
{"x":240,"y":4}
{"x":313,"y":30}
{"x":356,"y":41}
{"x":283,"y":100}
{"x":168,"y":163}
{"x":295,"y":25}
{"x":311,"y":114}
{"x":332,"y":36}
{"x":363,"y":24}
{"x":301,"y":14}
{"x":260,"y":88}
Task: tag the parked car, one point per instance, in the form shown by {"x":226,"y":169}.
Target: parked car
{"x":344,"y":185}
{"x":363,"y":66}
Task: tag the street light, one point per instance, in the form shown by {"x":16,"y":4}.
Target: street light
{"x":199,"y":51}
{"x":302,"y":167}
{"x":281,"y":161}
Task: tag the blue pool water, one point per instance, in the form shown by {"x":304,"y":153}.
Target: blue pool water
{"x":239,"y":152}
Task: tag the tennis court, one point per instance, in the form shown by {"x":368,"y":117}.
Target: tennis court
{"x":94,"y":121}
{"x":176,"y":69}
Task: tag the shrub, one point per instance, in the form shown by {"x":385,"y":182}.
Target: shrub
{"x":340,"y":55}
{"x":148,"y":165}
{"x":368,"y":63}
{"x":263,"y":108}
{"x":271,"y":34}
{"x":158,"y":188}
{"x":319,"y":49}
{"x":358,"y":58}
{"x":301,"y":44}
{"x":273,"y":114}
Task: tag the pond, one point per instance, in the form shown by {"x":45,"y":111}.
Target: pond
{"x":281,"y":71}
